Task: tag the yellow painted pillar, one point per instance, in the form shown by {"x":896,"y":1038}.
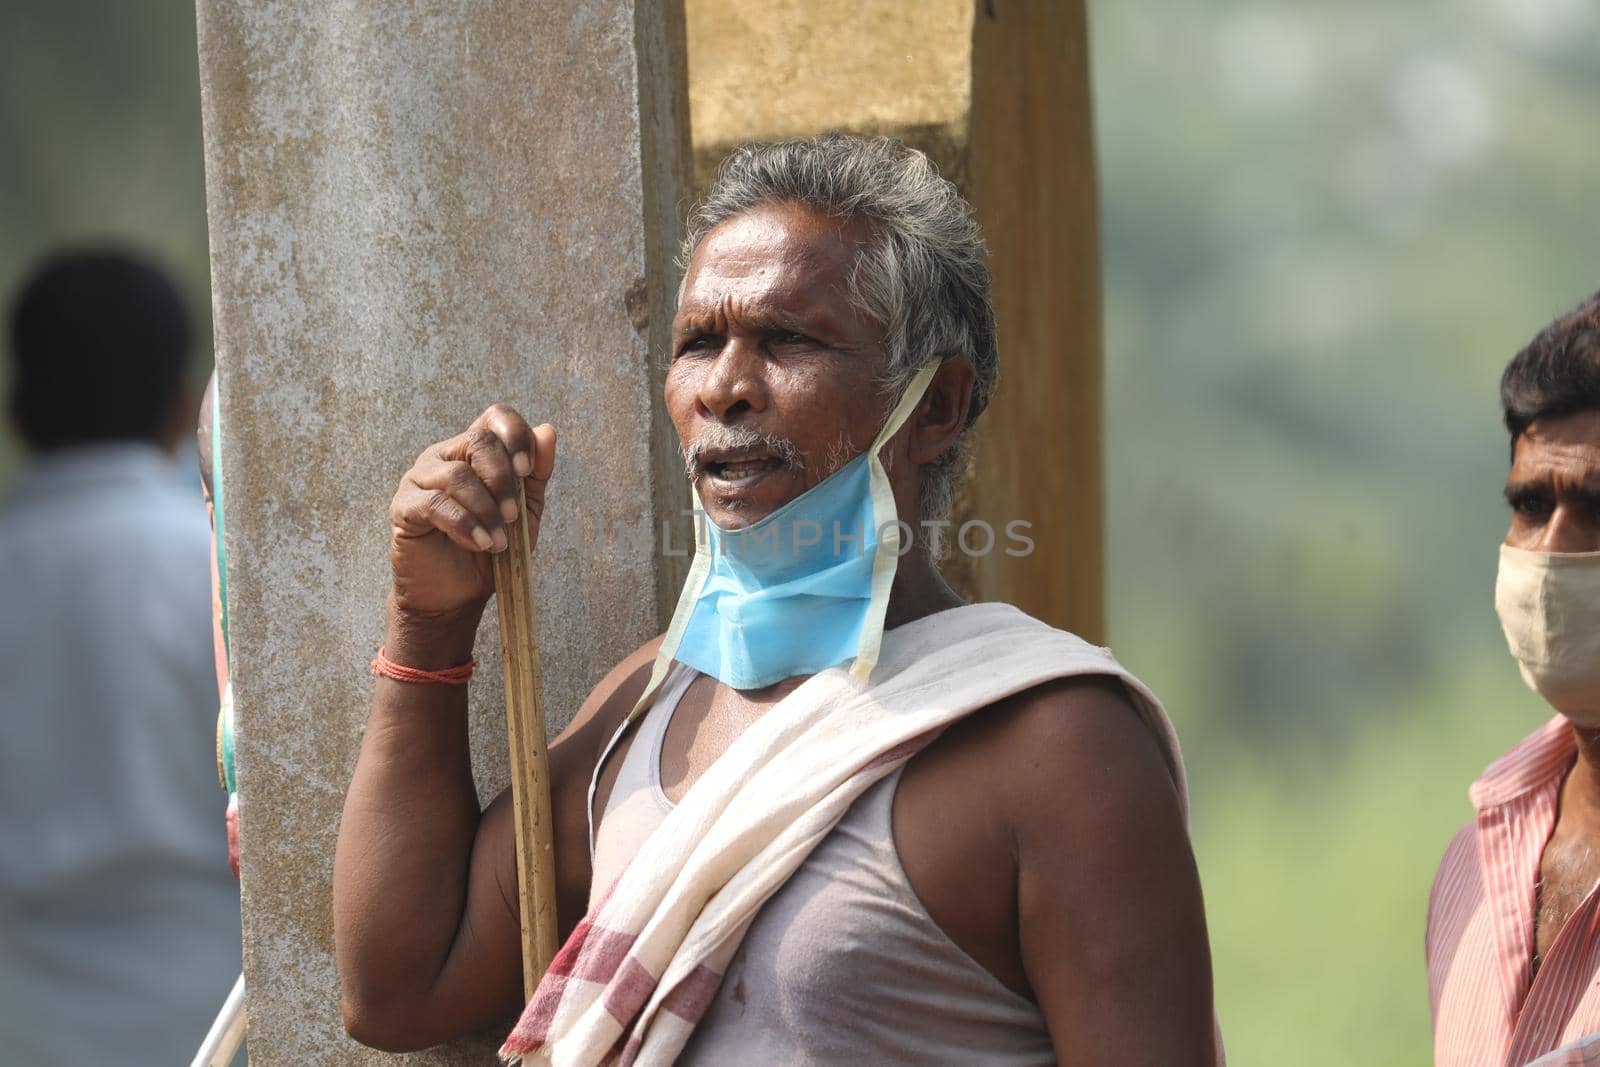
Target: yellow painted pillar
{"x":1031,"y":169}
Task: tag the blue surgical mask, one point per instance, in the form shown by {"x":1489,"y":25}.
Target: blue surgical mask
{"x":804,"y":589}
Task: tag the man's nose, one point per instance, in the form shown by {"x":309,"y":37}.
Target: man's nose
{"x":1570,"y":529}
{"x":734,"y":383}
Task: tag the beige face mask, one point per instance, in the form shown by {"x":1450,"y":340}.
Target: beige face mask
{"x":1549,"y":607}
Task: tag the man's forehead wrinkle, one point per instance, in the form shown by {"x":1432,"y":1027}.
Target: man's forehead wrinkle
{"x":757,"y":311}
{"x":784,"y":266}
{"x":1542,"y":452}
{"x":777,"y":237}
{"x":774,"y":297}
{"x":1577,"y":472}
{"x":1561,"y":457}
{"x":1553,"y":480}
{"x":778,"y":268}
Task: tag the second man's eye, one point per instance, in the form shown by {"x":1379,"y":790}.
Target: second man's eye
{"x":1532,"y":506}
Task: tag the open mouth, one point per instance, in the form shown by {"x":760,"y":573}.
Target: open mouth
{"x":731,"y":464}
{"x":741,"y":471}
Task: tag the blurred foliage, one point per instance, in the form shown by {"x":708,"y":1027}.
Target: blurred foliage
{"x":100,"y":141}
{"x":1327,"y":227}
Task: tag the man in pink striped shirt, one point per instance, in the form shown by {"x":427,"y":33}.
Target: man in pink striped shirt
{"x":1513,"y":940}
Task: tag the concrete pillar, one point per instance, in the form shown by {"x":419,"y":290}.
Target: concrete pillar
{"x":417,"y":209}
{"x":997,"y":92}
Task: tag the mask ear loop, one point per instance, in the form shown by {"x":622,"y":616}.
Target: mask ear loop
{"x":887,"y":520}
{"x":699,"y":570}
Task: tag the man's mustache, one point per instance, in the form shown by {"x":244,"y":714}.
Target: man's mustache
{"x":735,"y":439}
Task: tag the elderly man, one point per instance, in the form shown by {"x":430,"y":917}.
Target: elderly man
{"x":1513,"y":939}
{"x":833,"y":815}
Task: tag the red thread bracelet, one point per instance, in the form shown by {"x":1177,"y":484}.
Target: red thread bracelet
{"x":384,"y":667}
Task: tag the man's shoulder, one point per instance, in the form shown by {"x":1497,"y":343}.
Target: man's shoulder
{"x":162,"y":534}
{"x":1059,"y":739}
{"x":1073,"y":718}
{"x":134,"y":496}
{"x":989,"y":621}
{"x":609,"y":702}
{"x":1460,"y":859}
{"x":1054,"y":693}
{"x":994,"y":640}
{"x":1456,"y":890}
{"x":1527,"y":766}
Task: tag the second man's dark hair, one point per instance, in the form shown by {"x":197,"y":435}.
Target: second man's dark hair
{"x":99,"y":343}
{"x":1557,"y":374}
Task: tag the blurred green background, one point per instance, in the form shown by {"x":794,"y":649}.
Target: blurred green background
{"x":1327,"y":226}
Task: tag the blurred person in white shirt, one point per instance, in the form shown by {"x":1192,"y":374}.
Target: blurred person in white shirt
{"x":119,"y":918}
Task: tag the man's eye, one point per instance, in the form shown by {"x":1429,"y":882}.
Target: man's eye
{"x":790,"y":337}
{"x":697,"y":344}
{"x":1531,"y":506}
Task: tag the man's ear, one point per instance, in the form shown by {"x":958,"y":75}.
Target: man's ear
{"x":942,"y":415}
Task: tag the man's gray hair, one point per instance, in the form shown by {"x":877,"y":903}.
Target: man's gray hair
{"x":922,"y":275}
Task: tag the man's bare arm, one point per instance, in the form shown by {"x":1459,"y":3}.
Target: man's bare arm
{"x":1112,"y":924}
{"x":425,"y":916}
{"x":425,"y":888}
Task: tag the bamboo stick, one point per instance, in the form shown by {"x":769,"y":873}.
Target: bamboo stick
{"x":530,"y":760}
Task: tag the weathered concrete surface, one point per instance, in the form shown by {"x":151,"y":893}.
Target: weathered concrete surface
{"x":417,"y":209}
